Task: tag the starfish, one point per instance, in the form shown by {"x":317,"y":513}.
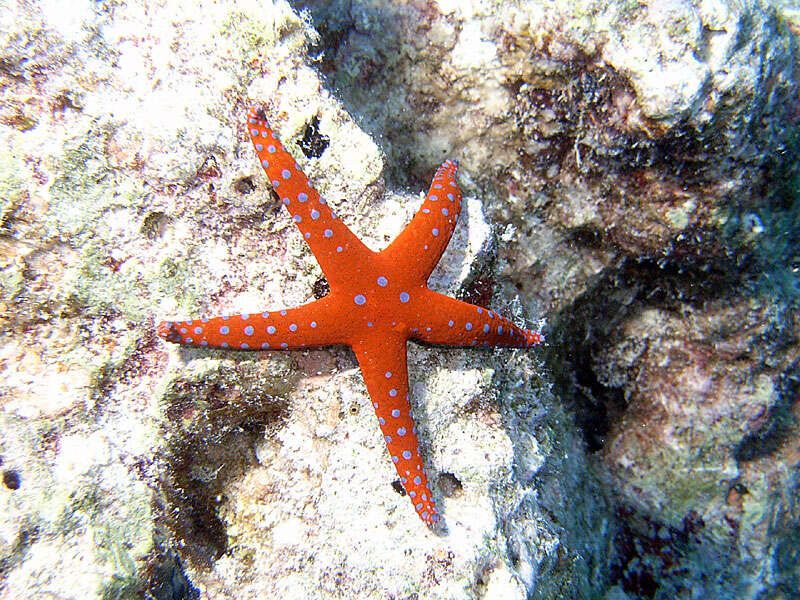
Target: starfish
{"x":377,"y":302}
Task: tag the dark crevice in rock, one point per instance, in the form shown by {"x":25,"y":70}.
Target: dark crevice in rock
{"x":334,"y":23}
{"x":166,"y":578}
{"x":595,"y":406}
{"x":314,"y":142}
{"x":778,"y":424}
{"x":579,"y":333}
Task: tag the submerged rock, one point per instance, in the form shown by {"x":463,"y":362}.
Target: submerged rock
{"x":630,"y":175}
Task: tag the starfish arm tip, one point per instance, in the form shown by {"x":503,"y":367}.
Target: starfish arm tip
{"x":255,"y":112}
{"x":168,"y":331}
{"x":429,"y":232}
{"x":437,"y":525}
{"x":335,"y":247}
{"x":535,"y":338}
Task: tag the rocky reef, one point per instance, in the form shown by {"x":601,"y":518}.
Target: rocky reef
{"x":631,"y":174}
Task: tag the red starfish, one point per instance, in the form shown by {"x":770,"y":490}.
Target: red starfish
{"x":378,"y":301}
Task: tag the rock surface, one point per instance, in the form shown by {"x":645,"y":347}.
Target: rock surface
{"x":630,"y":174}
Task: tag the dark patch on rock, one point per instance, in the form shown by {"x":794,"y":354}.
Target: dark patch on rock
{"x":18,"y":549}
{"x":11,"y":479}
{"x":215,"y":422}
{"x":313,"y":143}
{"x":648,"y":552}
{"x":321,"y":288}
{"x":66,"y":100}
{"x":478,"y":291}
{"x":398,"y":487}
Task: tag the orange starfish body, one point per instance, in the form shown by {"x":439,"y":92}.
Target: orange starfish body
{"x":377,"y":302}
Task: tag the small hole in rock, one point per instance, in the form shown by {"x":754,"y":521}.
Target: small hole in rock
{"x":245,"y":186}
{"x":11,"y":480}
{"x":449,"y":485}
{"x":154,"y":224}
{"x":398,"y":487}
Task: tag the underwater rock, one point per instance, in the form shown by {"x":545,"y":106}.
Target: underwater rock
{"x":630,"y":176}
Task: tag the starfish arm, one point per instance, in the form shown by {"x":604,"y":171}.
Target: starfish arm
{"x":428,"y":233}
{"x":314,"y":324}
{"x":451,"y":322}
{"x":338,"y":251}
{"x":383,"y":364}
